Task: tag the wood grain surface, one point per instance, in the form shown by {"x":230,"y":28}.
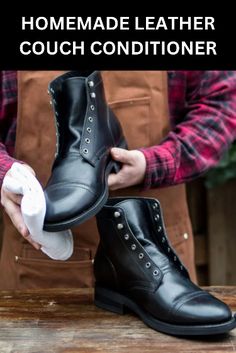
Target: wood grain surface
{"x":66,"y":321}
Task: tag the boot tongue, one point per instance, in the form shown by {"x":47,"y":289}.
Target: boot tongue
{"x":138,"y":217}
{"x":74,"y":95}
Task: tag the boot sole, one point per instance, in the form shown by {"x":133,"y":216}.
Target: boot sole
{"x":59,"y":226}
{"x":117,"y":303}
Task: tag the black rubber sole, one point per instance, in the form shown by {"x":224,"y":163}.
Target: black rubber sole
{"x":97,"y":206}
{"x":117,"y":303}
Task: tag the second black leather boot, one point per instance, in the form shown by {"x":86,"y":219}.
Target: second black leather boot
{"x":136,"y":268}
{"x":86,"y":130}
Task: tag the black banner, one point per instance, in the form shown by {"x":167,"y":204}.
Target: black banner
{"x":148,"y":41}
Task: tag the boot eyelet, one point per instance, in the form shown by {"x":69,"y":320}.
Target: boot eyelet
{"x":85,"y":150}
{"x":89,"y":130}
{"x":90,"y":119}
{"x":141,"y":256}
{"x":91,"y":83}
{"x":168,"y":249}
{"x":155,"y":205}
{"x":93,"y":95}
{"x":120,"y":226}
{"x":133,"y":247}
{"x":126,"y":236}
{"x":52,"y":90}
{"x":148,"y":265}
{"x":163,"y":239}
{"x":181,"y":267}
{"x":87,"y":140}
{"x":157,"y":217}
{"x":159,"y":229}
{"x":54,"y":101}
{"x":116,"y":214}
{"x":56,"y":113}
{"x":92,"y":107}
{"x":175,"y":258}
{"x":155,"y":272}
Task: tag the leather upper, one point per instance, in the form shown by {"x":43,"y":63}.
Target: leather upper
{"x":136,"y":259}
{"x":86,"y":130}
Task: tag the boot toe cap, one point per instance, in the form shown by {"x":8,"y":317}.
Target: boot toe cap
{"x":204,"y":309}
{"x":67,"y":202}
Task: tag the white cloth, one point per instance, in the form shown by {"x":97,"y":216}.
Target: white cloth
{"x":57,"y":245}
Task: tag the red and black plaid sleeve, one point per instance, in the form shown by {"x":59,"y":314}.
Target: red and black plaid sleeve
{"x":203,"y":116}
{"x":8,"y":111}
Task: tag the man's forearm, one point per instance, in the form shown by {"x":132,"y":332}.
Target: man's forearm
{"x":203,"y":134}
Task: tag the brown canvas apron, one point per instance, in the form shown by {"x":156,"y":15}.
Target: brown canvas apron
{"x":139,"y":100}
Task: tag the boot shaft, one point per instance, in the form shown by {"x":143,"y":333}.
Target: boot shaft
{"x":78,"y":100}
{"x":87,"y":129}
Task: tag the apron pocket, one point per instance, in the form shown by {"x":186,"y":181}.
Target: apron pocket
{"x":134,"y":116}
{"x":39,"y":271}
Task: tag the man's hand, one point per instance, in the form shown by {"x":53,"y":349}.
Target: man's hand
{"x":132,"y":171}
{"x":11,"y":203}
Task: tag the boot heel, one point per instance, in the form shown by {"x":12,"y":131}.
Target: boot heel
{"x":108,"y":300}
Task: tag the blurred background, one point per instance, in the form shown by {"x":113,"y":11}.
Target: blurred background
{"x":212,"y":200}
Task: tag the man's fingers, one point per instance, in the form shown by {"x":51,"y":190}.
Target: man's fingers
{"x":113,"y":181}
{"x":122,"y":155}
{"x":11,"y":200}
{"x":117,"y":181}
{"x":14,"y":213}
{"x":16,"y":198}
{"x":32,"y":242}
{"x":10,"y":195}
{"x":132,"y":171}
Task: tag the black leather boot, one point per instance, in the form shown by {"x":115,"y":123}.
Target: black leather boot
{"x":136,"y":268}
{"x":86,"y":130}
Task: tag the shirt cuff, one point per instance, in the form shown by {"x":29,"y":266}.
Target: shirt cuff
{"x":160,"y":168}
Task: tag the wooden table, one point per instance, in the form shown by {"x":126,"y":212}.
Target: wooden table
{"x":66,"y":321}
